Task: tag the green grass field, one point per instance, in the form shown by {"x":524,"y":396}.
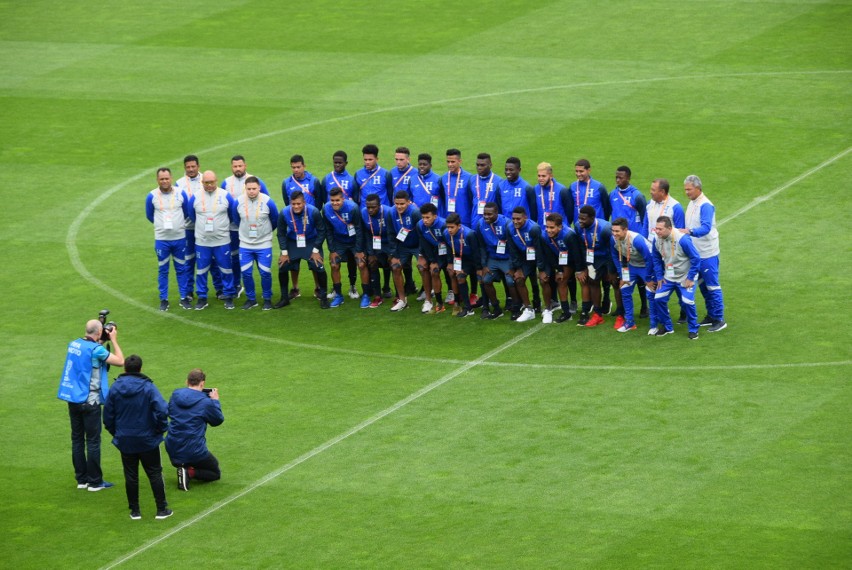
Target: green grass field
{"x":366,"y":439}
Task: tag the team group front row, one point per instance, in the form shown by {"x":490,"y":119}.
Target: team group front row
{"x":465,"y":230}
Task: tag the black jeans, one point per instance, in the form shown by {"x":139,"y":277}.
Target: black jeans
{"x":86,"y":443}
{"x":206,"y":469}
{"x":150,"y":461}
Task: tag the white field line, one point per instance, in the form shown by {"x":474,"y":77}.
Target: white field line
{"x":770,"y":195}
{"x":328,"y":444}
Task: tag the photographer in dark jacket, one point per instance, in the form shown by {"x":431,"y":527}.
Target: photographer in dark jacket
{"x":191,"y":409}
{"x":136,"y":415}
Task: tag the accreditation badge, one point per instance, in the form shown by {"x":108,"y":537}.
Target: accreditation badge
{"x":590,"y":256}
{"x":451,"y":205}
{"x":434,"y":201}
{"x":403,"y":233}
{"x":253,"y":230}
{"x":530,"y":254}
{"x":300,"y":240}
{"x":670,"y":273}
{"x":480,"y":207}
{"x":625,"y":274}
{"x":563,"y":258}
{"x":501,"y":246}
{"x":350,"y":229}
{"x":457,"y":266}
{"x":377,"y":243}
{"x":208,"y":225}
{"x":167,"y":222}
{"x":442,"y":249}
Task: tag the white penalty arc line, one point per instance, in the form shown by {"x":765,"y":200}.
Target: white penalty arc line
{"x":330,"y":443}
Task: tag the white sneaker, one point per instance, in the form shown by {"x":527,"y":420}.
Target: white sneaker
{"x":427,"y":306}
{"x":421,"y":296}
{"x":547,"y":316}
{"x":527,"y":315}
{"x":652,"y":331}
{"x":330,"y":295}
{"x":353,"y":293}
{"x":399,"y":305}
{"x":451,"y":297}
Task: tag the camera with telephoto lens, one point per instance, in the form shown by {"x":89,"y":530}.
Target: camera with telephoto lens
{"x":108,"y":326}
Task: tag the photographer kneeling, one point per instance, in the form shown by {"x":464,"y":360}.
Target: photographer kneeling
{"x":190,"y":410}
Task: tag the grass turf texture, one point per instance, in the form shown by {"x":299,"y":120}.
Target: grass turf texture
{"x":500,"y":466}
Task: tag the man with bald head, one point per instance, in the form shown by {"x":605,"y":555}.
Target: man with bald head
{"x":84,"y":385}
{"x":211,"y":213}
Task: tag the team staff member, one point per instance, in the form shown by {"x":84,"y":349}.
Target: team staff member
{"x":526,"y":242}
{"x":166,"y":208}
{"x":662,"y":204}
{"x":405,"y":243}
{"x":701,"y":226}
{"x":301,"y":231}
{"x":494,"y":233}
{"x":676,"y":265}
{"x":190,"y":185}
{"x":235,"y":185}
{"x":210,"y":212}
{"x":343,"y":236}
{"x":631,"y":254}
{"x":257,"y":217}
{"x":377,"y":246}
{"x":191,"y":410}
{"x":596,"y":235}
{"x":339,"y":177}
{"x":561,"y":259}
{"x":425,"y":185}
{"x":514,"y":191}
{"x":464,"y":259}
{"x":85,"y":385}
{"x":433,"y":256}
{"x":136,"y":415}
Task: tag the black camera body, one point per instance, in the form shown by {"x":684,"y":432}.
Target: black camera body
{"x":108,"y":326}
{"x":207,"y":390}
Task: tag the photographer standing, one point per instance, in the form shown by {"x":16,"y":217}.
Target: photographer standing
{"x":84,"y":385}
{"x":191,"y":409}
{"x":136,"y":416}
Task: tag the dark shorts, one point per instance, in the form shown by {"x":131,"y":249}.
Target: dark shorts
{"x":343,"y":250}
{"x":604,"y":267}
{"x":297,"y":254}
{"x":528,"y":267}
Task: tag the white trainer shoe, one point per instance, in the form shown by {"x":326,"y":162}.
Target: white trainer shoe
{"x":427,"y":306}
{"x":527,"y":315}
{"x":547,"y":316}
{"x":399,"y":305}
